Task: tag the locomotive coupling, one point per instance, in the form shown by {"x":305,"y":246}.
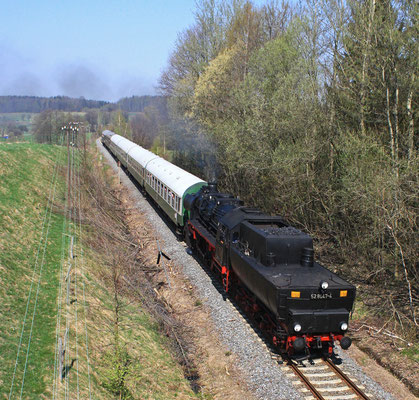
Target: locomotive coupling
{"x":299,"y":344}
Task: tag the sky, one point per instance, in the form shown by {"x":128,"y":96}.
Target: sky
{"x":99,"y":49}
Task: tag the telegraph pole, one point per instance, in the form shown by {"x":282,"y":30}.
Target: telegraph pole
{"x":73,"y":128}
{"x":66,"y":129}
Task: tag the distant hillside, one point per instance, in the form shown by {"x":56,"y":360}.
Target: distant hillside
{"x":33,"y":104}
{"x":139,"y":103}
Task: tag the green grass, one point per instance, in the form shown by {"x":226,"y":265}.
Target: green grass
{"x":412,"y":352}
{"x":26,"y":171}
{"x":25,"y":176}
{"x":25,"y":118}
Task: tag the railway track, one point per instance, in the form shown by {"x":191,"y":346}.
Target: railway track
{"x":317,"y":379}
{"x":323,"y":380}
{"x":327,"y":383}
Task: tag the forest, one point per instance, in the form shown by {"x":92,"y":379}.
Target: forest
{"x":310,"y":111}
{"x":34,"y":104}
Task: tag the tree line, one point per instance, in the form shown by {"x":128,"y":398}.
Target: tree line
{"x":309,"y":111}
{"x":142,"y":127}
{"x":34,"y":104}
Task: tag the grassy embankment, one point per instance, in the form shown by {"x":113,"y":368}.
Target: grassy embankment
{"x":90,"y":364}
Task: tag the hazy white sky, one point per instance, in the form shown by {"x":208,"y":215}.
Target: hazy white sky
{"x":103,"y":49}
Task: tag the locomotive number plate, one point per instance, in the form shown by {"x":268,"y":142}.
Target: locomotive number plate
{"x":318,"y":296}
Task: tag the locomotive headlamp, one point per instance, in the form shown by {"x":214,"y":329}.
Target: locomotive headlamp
{"x":344,"y":326}
{"x":324,"y":285}
{"x":297,"y":327}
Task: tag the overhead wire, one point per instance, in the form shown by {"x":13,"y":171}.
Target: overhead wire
{"x":72,"y":212}
{"x":47,"y":217}
{"x":75,"y":265}
{"x":84,"y":280}
{"x":68,"y":317}
{"x":41,"y":239}
{"x":58,"y":373}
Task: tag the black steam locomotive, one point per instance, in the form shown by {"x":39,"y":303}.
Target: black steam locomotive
{"x":265,"y":264}
{"x":269,"y":267}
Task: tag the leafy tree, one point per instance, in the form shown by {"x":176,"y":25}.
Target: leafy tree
{"x":48,"y":124}
{"x":119,"y":124}
{"x":310,"y":114}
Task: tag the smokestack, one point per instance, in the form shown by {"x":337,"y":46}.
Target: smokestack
{"x":212,"y":187}
{"x":307,"y":257}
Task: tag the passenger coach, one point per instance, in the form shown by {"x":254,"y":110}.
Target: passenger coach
{"x":166,"y":183}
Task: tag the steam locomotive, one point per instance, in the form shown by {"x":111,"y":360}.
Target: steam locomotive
{"x":265,"y":264}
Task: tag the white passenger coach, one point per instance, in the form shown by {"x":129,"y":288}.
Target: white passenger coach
{"x":166,"y":183}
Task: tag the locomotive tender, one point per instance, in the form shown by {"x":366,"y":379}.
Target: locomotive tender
{"x":265,"y":264}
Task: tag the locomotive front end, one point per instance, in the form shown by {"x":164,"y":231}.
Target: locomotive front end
{"x":318,"y":314}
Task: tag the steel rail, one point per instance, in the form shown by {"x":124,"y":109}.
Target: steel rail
{"x":347,"y":380}
{"x":306,"y":381}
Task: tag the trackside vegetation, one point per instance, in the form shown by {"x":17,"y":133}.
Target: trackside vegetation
{"x":113,"y":346}
{"x":309,"y":111}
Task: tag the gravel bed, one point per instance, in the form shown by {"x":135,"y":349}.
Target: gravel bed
{"x":353,"y":370}
{"x":263,"y":374}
